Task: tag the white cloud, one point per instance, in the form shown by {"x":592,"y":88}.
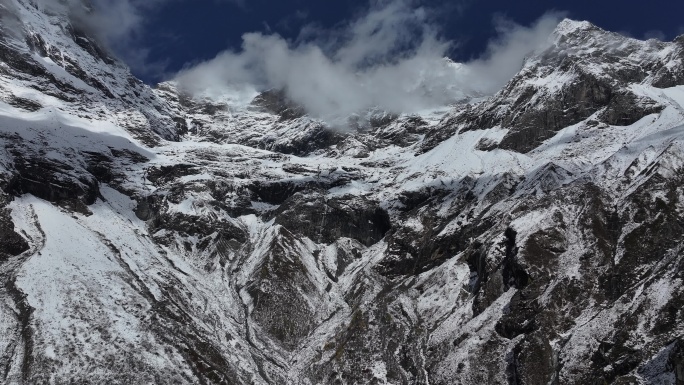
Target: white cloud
{"x":505,"y":54}
{"x":390,"y":58}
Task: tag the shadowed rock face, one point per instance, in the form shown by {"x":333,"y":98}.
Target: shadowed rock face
{"x":580,"y":101}
{"x":53,"y":181}
{"x":325,"y":220}
{"x":276,"y":101}
{"x":11,"y":243}
{"x":283,"y":294}
{"x":268,"y":249}
{"x":313,"y":135}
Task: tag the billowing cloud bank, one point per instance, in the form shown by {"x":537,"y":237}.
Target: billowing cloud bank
{"x":390,"y":58}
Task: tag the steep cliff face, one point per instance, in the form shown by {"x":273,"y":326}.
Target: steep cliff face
{"x":147,"y":236}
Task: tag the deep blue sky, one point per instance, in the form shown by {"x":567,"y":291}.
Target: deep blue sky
{"x":182,"y":32}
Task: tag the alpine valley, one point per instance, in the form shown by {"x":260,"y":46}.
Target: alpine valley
{"x":149,"y":236}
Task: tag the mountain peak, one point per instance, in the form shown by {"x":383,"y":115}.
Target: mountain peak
{"x":569,"y":26}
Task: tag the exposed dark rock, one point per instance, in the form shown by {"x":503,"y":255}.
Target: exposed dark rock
{"x":413,"y":251}
{"x":129,"y":155}
{"x":11,"y":243}
{"x":533,"y":119}
{"x":673,"y":75}
{"x":101,"y":167}
{"x":282,"y":293}
{"x":324,"y":219}
{"x":519,"y":318}
{"x":546,"y":179}
{"x":89,"y":45}
{"x":147,"y":208}
{"x":24,"y":103}
{"x":486,"y":144}
{"x":53,"y":181}
{"x":626,"y":108}
{"x":276,"y":192}
{"x":315,"y":138}
{"x":165,"y":174}
{"x":532,"y":361}
{"x":189,"y":225}
{"x":181,"y":125}
{"x":415,"y":199}
{"x":645,"y":246}
{"x":277,"y":102}
{"x":613,"y":359}
{"x":676,"y":362}
{"x":404,"y":132}
{"x":26,"y":66}
{"x":410,"y":252}
{"x":206,"y":107}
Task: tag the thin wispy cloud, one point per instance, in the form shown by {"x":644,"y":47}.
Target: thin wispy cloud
{"x":505,"y":54}
{"x":117,"y":25}
{"x":655,"y":34}
{"x":392,"y":58}
{"x":287,"y":23}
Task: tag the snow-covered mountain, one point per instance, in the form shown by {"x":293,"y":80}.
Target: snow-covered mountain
{"x":149,"y":236}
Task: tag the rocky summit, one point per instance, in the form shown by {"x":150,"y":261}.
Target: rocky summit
{"x":149,"y":236}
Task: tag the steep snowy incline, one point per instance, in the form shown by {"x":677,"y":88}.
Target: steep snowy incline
{"x":49,"y":61}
